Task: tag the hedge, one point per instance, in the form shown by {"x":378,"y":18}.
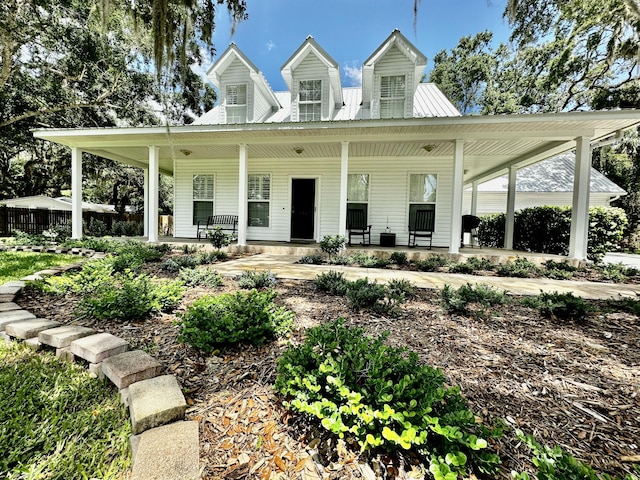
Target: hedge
{"x":547,"y":229}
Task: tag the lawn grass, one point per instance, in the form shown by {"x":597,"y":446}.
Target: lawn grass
{"x":15,"y":265}
{"x":57,"y":422}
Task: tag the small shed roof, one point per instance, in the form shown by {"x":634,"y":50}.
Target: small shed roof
{"x":57,"y":203}
{"x":553,"y":175}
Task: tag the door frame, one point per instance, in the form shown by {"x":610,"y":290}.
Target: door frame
{"x":316,"y":204}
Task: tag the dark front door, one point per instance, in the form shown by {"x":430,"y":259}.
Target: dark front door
{"x":303,"y":200}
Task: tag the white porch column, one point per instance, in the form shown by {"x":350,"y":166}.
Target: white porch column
{"x":344,"y":176}
{"x":474,"y":198}
{"x":145,"y":172}
{"x":242,"y":196}
{"x":456,"y":197}
{"x":154,"y":191}
{"x":76,"y":192}
{"x":580,"y":210}
{"x":509,"y":221}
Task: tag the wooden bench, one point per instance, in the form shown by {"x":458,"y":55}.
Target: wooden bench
{"x":226,"y":222}
{"x":422,"y":227}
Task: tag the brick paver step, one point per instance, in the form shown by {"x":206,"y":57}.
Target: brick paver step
{"x":95,"y":348}
{"x":156,"y":401}
{"x":169,"y":452}
{"x":30,"y":328}
{"x":130,"y":367}
{"x":13,"y":316}
{"x":61,"y":337}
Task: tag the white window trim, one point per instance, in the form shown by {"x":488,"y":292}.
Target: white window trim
{"x":212,"y":200}
{"x":435,"y":203}
{"x":309,"y":102}
{"x":392,"y":99}
{"x":244,"y":105}
{"x":261,"y":200}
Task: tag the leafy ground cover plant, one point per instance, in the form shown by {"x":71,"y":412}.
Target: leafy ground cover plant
{"x":217,"y":321}
{"x":57,"y":422}
{"x":431,"y":264}
{"x":562,"y":306}
{"x":616,"y":272}
{"x":382,"y":398}
{"x":625,"y":304}
{"x":553,"y":463}
{"x":471,"y":265}
{"x":311,"y":259}
{"x":459,"y":301}
{"x":362,"y":293}
{"x":204,"y":277}
{"x":15,"y":265}
{"x":398,"y":258}
{"x":257,"y":279}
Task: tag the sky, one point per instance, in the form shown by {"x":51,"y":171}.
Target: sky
{"x":351,"y":30}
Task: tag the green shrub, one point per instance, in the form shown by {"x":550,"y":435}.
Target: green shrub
{"x":364,"y":294}
{"x":257,"y":279}
{"x":219,"y":238}
{"x":357,"y":258}
{"x":398,"y":258}
{"x":559,"y":270}
{"x":93,"y":276}
{"x":431,"y":264}
{"x":188,"y":249}
{"x":174,"y":264}
{"x":97,"y":244}
{"x":626,"y":304}
{"x":520,"y":268}
{"x":58,"y":233}
{"x":210,"y":257}
{"x":203,"y":277}
{"x":339,"y":260}
{"x":374,"y":262}
{"x":461,"y":267}
{"x":127,"y":229}
{"x":331,"y":245}
{"x":130,"y":297}
{"x":243,"y":317}
{"x":471,"y":265}
{"x":126,"y":261}
{"x":144,"y":251}
{"x":331,"y":282}
{"x":96,"y":228}
{"x":563,"y":306}
{"x":401,"y":289}
{"x":311,"y":259}
{"x":383,"y":398}
{"x":459,"y":301}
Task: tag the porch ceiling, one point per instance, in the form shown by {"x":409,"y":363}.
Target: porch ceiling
{"x":492,"y":143}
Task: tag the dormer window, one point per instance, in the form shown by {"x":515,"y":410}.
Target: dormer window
{"x":392,"y":96}
{"x":236,"y":99}
{"x":310,"y":100}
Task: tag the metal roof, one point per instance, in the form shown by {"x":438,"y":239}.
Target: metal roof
{"x":553,"y":175}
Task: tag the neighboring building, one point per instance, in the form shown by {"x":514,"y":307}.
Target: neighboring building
{"x":54,"y":203}
{"x":290,"y":164}
{"x":549,"y":182}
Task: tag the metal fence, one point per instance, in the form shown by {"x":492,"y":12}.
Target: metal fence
{"x":37,"y":220}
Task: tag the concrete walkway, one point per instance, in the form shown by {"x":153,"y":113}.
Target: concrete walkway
{"x":285,"y":266}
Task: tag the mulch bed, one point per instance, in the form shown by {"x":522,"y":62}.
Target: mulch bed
{"x":573,"y":385}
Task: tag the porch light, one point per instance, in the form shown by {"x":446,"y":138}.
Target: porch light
{"x":185,"y":152}
{"x":428,"y":148}
{"x":298,"y":150}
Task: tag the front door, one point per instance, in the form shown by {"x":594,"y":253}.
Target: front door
{"x":303,"y":203}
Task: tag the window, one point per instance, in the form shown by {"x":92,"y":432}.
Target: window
{"x":392,"y":93}
{"x":202,"y":198}
{"x":236,"y":103}
{"x":422,"y":193}
{"x":259,"y":196}
{"x":310,"y":100}
{"x":358,"y":192}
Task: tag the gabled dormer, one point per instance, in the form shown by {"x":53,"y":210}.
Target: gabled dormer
{"x":243,"y":93}
{"x":313,"y":78}
{"x":390,"y":77}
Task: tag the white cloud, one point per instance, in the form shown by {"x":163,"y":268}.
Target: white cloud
{"x":353,"y":74}
{"x":270,"y":45}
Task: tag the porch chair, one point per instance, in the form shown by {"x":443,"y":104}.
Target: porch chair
{"x":422,"y":227}
{"x":470,"y":224}
{"x":357,"y":225}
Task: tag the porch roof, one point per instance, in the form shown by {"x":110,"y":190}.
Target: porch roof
{"x":492,"y":143}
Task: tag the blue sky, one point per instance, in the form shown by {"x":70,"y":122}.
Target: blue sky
{"x":350,"y":30}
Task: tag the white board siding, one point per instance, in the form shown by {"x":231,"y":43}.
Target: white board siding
{"x":490,"y":202}
{"x":388,"y":193}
